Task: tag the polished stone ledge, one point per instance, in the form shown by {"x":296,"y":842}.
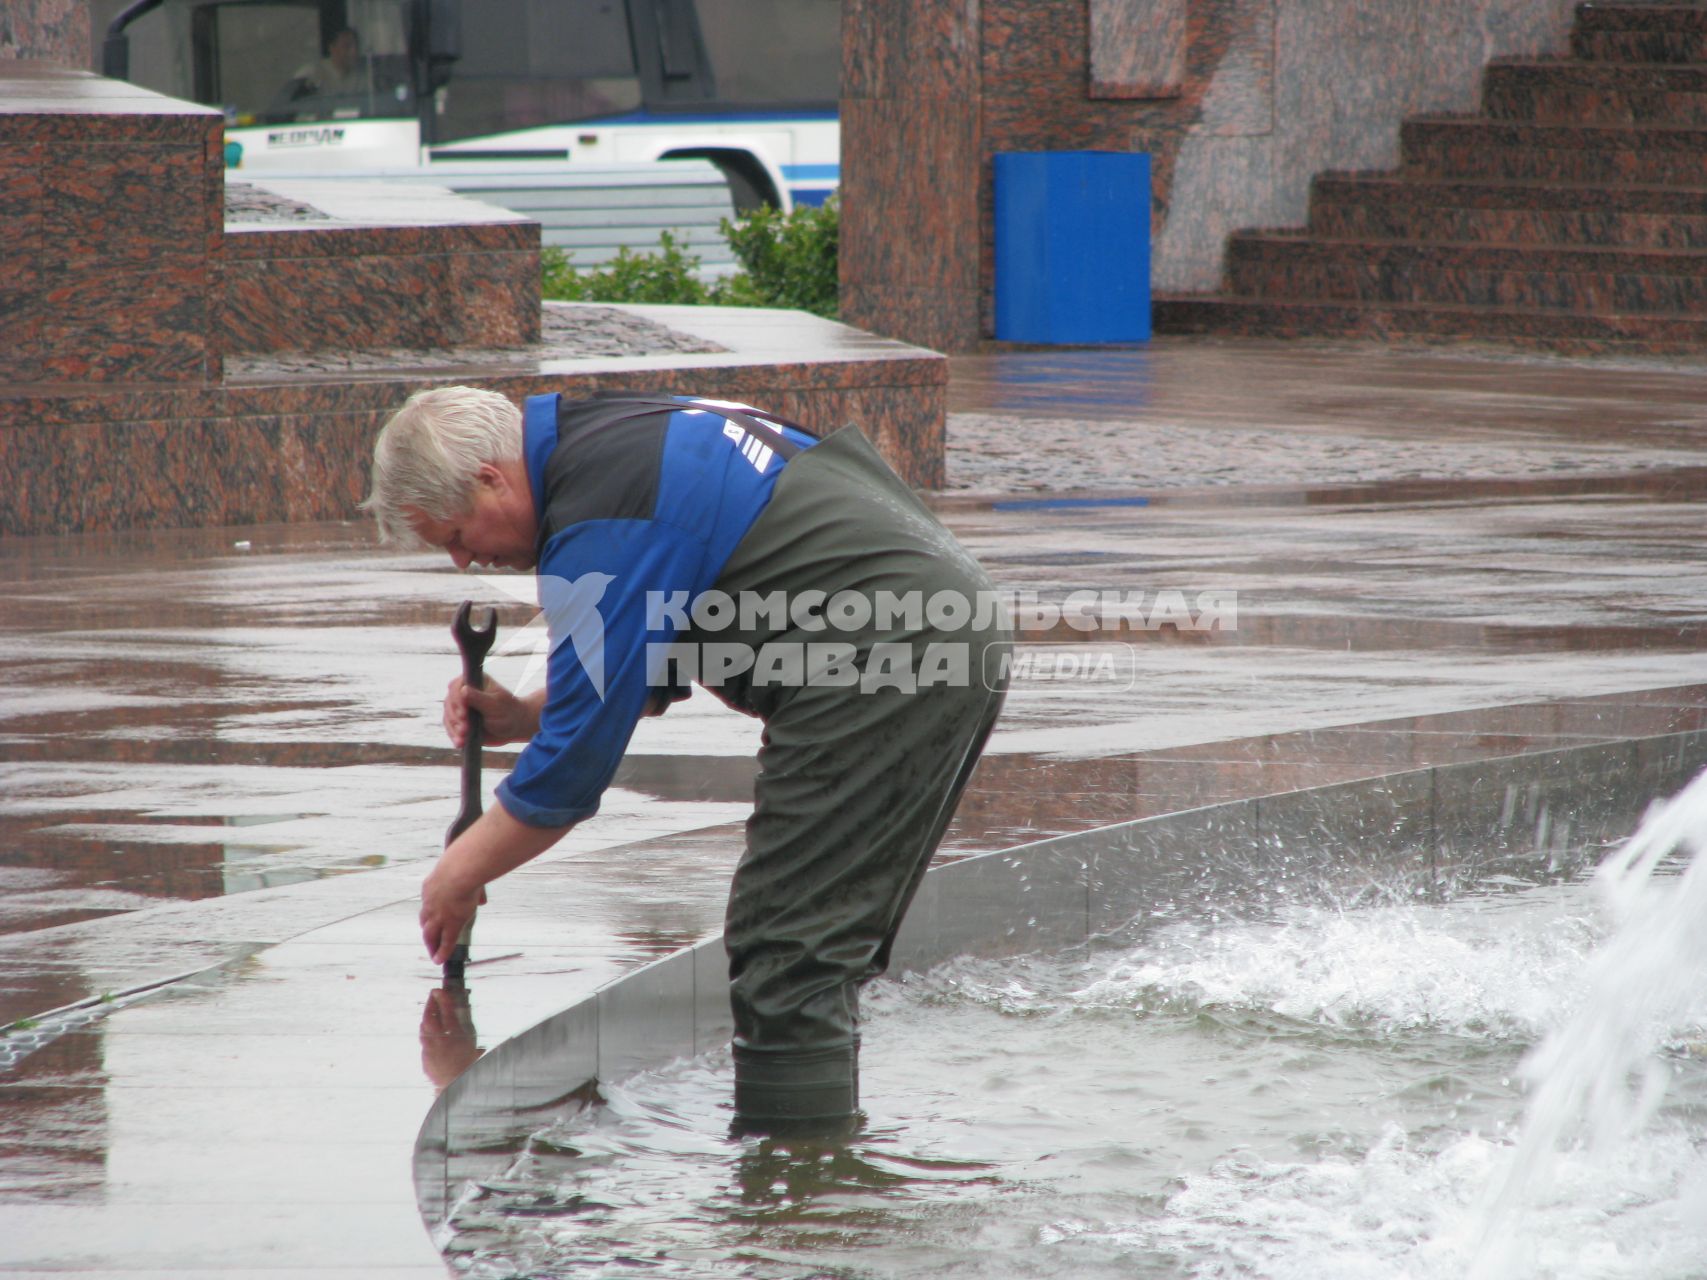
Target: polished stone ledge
{"x":294,"y":446}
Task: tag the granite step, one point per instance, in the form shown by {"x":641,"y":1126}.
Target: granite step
{"x":1565,"y":332}
{"x":1596,"y":280}
{"x":1595,"y":92}
{"x":1597,"y":17}
{"x":1571,"y":215}
{"x":1676,"y":46}
{"x":1383,"y":207}
{"x":1672,"y":33}
{"x":1493,"y":150}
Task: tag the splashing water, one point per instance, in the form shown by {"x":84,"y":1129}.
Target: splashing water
{"x":1600,"y":1076}
{"x":1313,"y":1093}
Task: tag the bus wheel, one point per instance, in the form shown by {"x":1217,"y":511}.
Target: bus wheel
{"x":749,"y":185}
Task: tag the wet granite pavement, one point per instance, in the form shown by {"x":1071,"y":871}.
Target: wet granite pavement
{"x":221,"y":757}
{"x":567,"y":331}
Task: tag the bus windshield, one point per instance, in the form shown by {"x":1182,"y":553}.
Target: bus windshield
{"x":527,"y":63}
{"x":538,"y":62}
{"x":322,"y":71}
{"x":279,"y":60}
{"x":511,"y":65}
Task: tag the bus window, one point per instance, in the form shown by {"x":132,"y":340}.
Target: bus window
{"x":355,"y":68}
{"x":798,"y":60}
{"x":245,"y":57}
{"x":278,"y":60}
{"x":525,"y":63}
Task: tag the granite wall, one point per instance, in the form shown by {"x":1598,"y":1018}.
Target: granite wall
{"x":105,"y":458}
{"x":1239,"y":103}
{"x":110,"y":227}
{"x":55,"y":30}
{"x":342,"y":288}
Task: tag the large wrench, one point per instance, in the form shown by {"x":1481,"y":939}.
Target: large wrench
{"x":475,"y":643}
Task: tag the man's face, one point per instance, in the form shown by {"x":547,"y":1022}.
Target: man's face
{"x":344,"y":50}
{"x":494,"y":533}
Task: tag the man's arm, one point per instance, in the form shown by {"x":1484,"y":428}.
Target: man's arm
{"x":495,"y":844}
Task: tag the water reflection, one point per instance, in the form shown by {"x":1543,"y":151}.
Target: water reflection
{"x":450,"y":1044}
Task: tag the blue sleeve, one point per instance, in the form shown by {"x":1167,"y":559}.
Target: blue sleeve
{"x":594,"y":578}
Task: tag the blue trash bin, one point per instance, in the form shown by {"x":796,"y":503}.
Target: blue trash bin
{"x":1072,"y":246}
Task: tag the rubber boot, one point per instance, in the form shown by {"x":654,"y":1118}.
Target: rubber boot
{"x":795,"y":1088}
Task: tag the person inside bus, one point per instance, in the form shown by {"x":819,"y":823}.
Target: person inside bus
{"x":342,"y":73}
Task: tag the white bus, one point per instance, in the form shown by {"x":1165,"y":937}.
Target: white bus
{"x":335,"y":86}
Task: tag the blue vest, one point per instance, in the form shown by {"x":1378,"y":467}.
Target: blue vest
{"x":638,"y":503}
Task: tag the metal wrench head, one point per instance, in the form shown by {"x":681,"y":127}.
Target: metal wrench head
{"x":475,"y":642}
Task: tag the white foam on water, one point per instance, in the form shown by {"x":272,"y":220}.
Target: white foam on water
{"x":1405,"y":1211}
{"x":1609,"y":972}
{"x":1506,"y":966}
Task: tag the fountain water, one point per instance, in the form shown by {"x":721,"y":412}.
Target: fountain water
{"x":1602,"y":1076}
{"x":1300,"y":1058}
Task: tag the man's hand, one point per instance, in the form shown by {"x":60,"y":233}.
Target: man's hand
{"x":447,"y":905}
{"x":494,"y":845}
{"x":504,"y":717}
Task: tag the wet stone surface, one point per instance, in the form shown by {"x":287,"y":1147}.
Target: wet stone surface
{"x":196,"y":715}
{"x":1066,"y":454}
{"x":1183,"y":414}
{"x":568,"y":331}
{"x":248,"y":204}
{"x":221,"y":749}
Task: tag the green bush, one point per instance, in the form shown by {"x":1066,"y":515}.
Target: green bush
{"x":789,"y":262}
{"x":665,"y":276}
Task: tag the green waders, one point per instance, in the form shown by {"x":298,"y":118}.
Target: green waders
{"x":857,"y":782}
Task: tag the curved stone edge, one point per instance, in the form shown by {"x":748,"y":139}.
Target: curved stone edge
{"x":1421,"y":831}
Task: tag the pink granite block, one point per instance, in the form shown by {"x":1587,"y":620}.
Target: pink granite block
{"x":311,"y":240}
{"x":125,"y":203}
{"x":908,"y":425}
{"x":20,"y":261}
{"x":904,"y":49}
{"x":494,"y":297}
{"x":93,"y":451}
{"x":138,"y":323}
{"x":213,"y":191}
{"x":20,"y":190}
{"x":1231,"y":67}
{"x":1137,"y":48}
{"x":93,"y":476}
{"x":138,"y":121}
{"x":389,"y":300}
{"x":51,"y":29}
{"x":1036,"y":49}
{"x":910,"y":214}
{"x":313,"y":462}
{"x":1015,"y":123}
{"x":938,"y":319}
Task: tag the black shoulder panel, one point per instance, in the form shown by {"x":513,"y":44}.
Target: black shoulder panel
{"x":605,"y":466}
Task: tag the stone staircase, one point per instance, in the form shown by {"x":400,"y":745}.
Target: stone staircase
{"x":1571,"y":214}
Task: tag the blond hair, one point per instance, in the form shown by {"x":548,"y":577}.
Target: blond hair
{"x":428,"y":455}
